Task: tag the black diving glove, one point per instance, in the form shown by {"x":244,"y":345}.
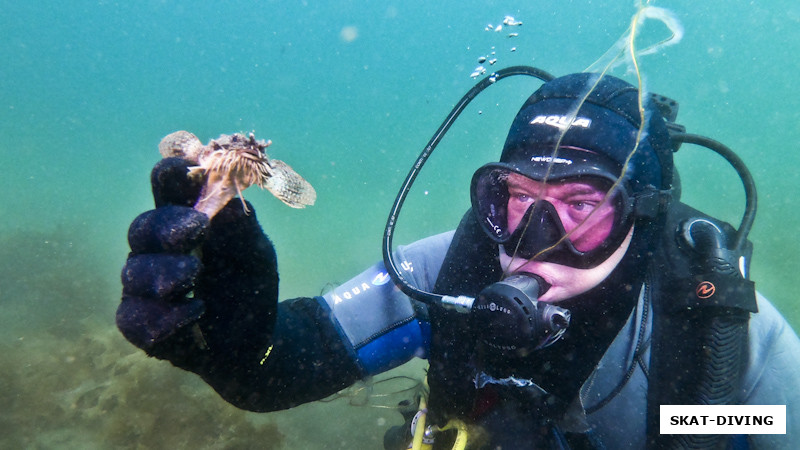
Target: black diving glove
{"x":198,"y":293}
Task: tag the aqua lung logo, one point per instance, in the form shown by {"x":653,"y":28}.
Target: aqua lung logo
{"x":562,"y":122}
{"x":380,"y":279}
{"x":340,"y":296}
{"x":705,"y":289}
{"x":348,"y":292}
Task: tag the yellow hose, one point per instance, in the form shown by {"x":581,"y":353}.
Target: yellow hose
{"x":461,"y":437}
{"x":419,"y":431}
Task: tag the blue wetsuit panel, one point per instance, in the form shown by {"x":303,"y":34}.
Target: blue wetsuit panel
{"x":395,"y":347}
{"x":378,"y":320}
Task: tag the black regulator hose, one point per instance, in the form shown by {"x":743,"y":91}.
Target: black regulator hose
{"x":388,"y":257}
{"x":751,"y":199}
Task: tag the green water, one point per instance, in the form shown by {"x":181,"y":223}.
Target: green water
{"x":349,"y":92}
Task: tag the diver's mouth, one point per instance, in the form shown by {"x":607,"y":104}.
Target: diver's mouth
{"x":544,"y":284}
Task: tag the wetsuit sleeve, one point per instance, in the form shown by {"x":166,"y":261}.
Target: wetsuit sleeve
{"x":773,"y":377}
{"x":323,"y":344}
{"x":384,"y":327}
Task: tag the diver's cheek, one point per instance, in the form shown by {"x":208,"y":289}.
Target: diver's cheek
{"x":588,"y":236}
{"x":556,"y":294}
{"x":566,"y":282}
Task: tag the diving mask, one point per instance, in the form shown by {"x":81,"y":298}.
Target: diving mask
{"x":577,"y":222}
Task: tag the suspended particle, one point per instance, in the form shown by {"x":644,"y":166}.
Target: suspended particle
{"x":348,"y":34}
{"x":511,"y":35}
{"x":481,"y":60}
{"x":510,"y":21}
{"x":492,"y":61}
{"x":513,"y":49}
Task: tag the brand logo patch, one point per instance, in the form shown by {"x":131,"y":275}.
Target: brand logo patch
{"x":705,"y":289}
{"x":562,"y":122}
{"x":380,"y":279}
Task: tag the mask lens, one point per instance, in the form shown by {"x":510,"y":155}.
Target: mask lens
{"x":490,"y":201}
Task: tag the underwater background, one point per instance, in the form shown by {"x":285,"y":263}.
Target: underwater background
{"x":349,"y":92}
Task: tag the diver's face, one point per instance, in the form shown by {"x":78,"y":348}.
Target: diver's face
{"x":587,"y":220}
{"x":573,"y":201}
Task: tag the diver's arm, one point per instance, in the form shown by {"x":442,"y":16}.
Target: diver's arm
{"x":772,"y":377}
{"x":323,"y":344}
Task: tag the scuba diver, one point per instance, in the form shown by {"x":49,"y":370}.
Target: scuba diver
{"x":576,"y":295}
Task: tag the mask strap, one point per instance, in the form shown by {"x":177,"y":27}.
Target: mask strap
{"x":651,"y":202}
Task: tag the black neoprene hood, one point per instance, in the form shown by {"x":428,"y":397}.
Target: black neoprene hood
{"x":597,"y":139}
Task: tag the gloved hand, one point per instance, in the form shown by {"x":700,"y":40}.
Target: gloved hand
{"x":196,"y":292}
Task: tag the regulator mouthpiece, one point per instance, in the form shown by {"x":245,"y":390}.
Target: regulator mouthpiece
{"x":511,"y":320}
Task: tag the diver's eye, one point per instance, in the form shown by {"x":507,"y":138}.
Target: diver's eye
{"x":583,"y":206}
{"x":520,"y":202}
{"x":522,"y":198}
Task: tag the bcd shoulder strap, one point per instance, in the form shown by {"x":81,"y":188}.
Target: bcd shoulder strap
{"x":701,"y":311}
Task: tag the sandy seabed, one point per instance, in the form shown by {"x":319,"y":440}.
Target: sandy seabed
{"x":68,"y":379}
